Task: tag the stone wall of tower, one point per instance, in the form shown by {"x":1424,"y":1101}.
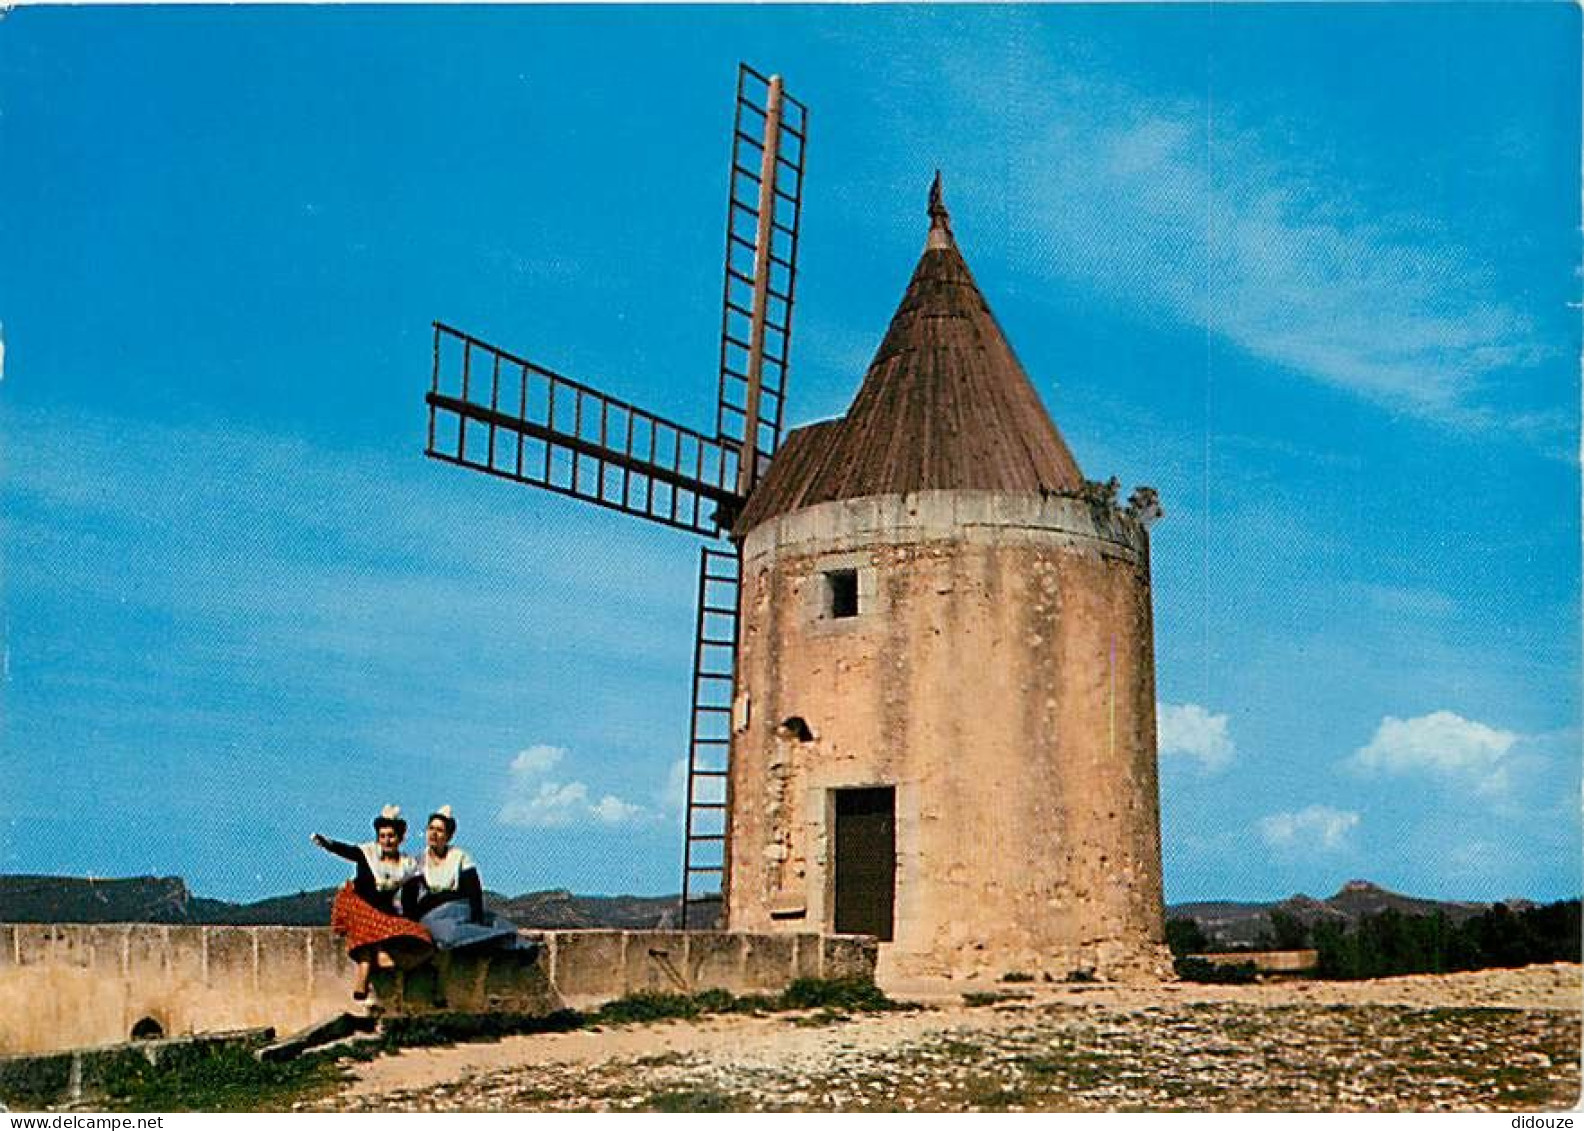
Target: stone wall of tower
{"x":1000,"y":676}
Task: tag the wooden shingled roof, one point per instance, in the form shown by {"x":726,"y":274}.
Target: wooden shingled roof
{"x":945,"y":405}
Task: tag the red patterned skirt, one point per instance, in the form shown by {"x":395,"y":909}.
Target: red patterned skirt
{"x":365,"y":925}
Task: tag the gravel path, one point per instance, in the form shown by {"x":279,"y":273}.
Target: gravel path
{"x":1492,"y":1041}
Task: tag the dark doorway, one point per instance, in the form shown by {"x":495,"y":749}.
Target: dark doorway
{"x":865,"y":861}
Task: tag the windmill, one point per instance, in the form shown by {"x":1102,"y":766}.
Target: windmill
{"x":502,"y":414}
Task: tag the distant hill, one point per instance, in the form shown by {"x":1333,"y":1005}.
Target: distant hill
{"x":548,"y":909}
{"x":71,"y":899}
{"x":165,"y":899}
{"x":150,"y":899}
{"x":1243,"y":924}
{"x":305,"y":909}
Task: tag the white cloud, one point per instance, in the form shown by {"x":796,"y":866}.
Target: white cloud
{"x":550,"y":805}
{"x":1188,"y":729}
{"x":613,"y":810}
{"x":1442,"y":744}
{"x":537,"y":759}
{"x":1317,"y":826}
{"x":533,"y":801}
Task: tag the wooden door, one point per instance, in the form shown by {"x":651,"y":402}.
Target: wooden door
{"x":866,"y":862}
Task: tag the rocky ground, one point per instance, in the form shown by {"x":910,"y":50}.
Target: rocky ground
{"x":1488,"y":1041}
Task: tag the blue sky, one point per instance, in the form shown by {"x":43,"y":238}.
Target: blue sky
{"x":1312,"y":271}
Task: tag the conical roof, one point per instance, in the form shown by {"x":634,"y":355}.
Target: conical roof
{"x":945,"y":405}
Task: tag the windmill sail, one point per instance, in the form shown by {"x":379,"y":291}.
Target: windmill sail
{"x":764,"y":211}
{"x":764,"y":208}
{"x":501,"y":414}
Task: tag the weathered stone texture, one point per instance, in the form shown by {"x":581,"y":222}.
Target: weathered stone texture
{"x":714,"y":958}
{"x":847,"y":956}
{"x":585,"y":960}
{"x":765,"y":956}
{"x":1000,"y":677}
{"x":657,"y":962}
{"x":74,"y":985}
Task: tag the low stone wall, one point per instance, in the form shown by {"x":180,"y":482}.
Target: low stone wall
{"x":71,"y":985}
{"x":593,"y":966}
{"x":1267,"y":961}
{"x":68,"y":986}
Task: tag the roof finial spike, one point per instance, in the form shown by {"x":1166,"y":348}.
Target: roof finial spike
{"x":940,"y":233}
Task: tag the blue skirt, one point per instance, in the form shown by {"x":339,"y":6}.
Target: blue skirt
{"x":452,"y":929}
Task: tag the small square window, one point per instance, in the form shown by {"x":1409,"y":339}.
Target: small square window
{"x":841,"y":589}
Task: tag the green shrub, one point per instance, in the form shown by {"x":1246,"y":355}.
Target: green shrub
{"x":215,"y":1077}
{"x":976,"y":998}
{"x":857,"y":995}
{"x":422,"y":1030}
{"x":648,"y":1006}
{"x":692,"y":1099}
{"x":1185,"y":936}
{"x":832,"y":995}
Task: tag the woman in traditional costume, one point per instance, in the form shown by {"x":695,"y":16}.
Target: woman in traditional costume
{"x":365,"y":909}
{"x":447,"y":897}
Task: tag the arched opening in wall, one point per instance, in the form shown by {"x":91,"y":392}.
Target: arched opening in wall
{"x":147,"y":1029}
{"x":795,"y":727}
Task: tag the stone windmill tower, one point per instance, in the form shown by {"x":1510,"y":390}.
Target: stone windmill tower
{"x":944,"y":732}
{"x":923,"y":678}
